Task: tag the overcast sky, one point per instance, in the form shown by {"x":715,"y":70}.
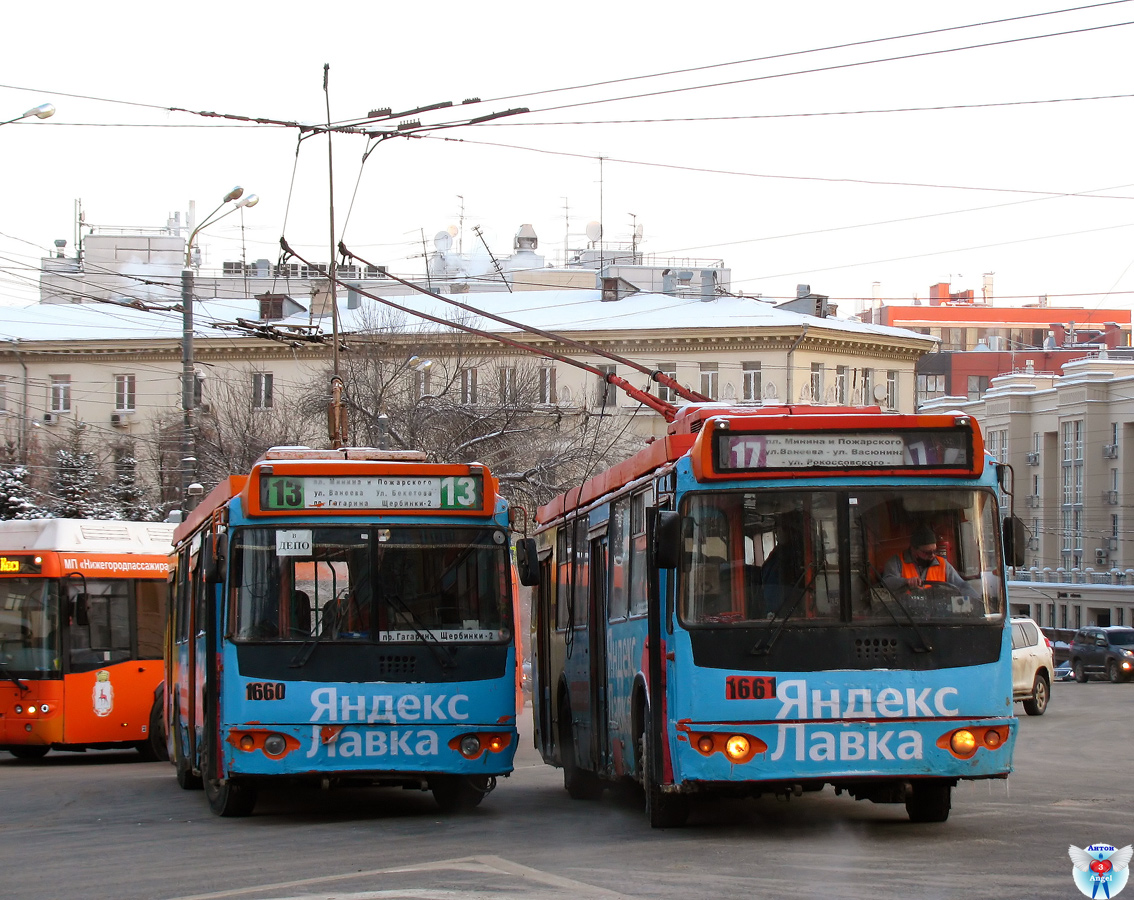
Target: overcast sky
{"x":747,"y":168}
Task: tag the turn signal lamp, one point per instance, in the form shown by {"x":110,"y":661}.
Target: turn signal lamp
{"x":471,"y":746}
{"x":736,"y":748}
{"x":965,"y":742}
{"x":273,"y":744}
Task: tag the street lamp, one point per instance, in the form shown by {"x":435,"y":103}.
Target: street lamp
{"x":43,"y":111}
{"x":188,"y":375}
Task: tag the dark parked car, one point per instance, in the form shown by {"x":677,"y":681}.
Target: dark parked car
{"x":1103,"y":651}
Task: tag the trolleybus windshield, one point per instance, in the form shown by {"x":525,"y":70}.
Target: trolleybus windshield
{"x":29,"y":627}
{"x":825,"y":557}
{"x":383,"y":584}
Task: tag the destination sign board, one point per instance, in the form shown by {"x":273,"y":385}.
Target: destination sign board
{"x":793,"y":451}
{"x":281,"y":493}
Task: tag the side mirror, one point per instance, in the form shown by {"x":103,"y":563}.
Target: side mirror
{"x":214,"y":561}
{"x":667,"y":539}
{"x":1015,"y":541}
{"x":527,"y":562}
{"x":82,"y":610}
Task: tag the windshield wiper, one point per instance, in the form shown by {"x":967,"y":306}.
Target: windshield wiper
{"x":764,"y":645}
{"x":436,"y":648}
{"x":925,"y":647}
{"x":12,"y":678}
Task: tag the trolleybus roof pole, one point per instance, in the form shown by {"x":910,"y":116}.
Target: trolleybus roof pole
{"x":667,"y":410}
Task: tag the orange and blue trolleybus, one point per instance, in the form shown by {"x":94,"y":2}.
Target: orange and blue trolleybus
{"x":343,"y":616}
{"x":733,"y":612}
{"x":82,"y":609}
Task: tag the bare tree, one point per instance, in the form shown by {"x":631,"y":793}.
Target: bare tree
{"x":461,"y":400}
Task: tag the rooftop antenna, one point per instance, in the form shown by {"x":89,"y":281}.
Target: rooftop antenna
{"x":566,"y":231}
{"x":495,"y":264}
{"x":425,"y":256}
{"x":461,"y":228}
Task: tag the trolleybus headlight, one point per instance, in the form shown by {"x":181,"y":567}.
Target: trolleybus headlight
{"x":19,"y":709}
{"x":705,"y":744}
{"x":247,"y":742}
{"x":275,"y":745}
{"x":992,"y":738}
{"x":470,"y":746}
{"x":737,"y":747}
{"x":963,"y":742}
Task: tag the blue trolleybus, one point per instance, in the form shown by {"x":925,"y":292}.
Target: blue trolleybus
{"x":736,"y":611}
{"x":343,"y":615}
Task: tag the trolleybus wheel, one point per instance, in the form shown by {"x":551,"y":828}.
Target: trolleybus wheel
{"x":230,"y":799}
{"x":662,"y":809}
{"x":929,"y":801}
{"x":460,"y":793}
{"x":580,"y":784}
{"x":36,"y":752}
{"x":1036,"y":705}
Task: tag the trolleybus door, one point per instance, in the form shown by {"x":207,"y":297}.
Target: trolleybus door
{"x":600,"y":736}
{"x":544,"y":614}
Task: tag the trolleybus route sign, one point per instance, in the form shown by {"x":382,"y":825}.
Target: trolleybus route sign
{"x":295,"y":492}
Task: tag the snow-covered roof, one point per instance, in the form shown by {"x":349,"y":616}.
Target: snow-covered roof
{"x":565,"y":311}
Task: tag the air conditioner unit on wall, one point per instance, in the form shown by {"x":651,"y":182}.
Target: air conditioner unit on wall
{"x":50,"y":418}
{"x":118,"y":420}
{"x":1110,"y":451}
{"x":1110,"y":498}
{"x":1101,"y":554}
{"x":1033,"y":501}
{"x":1033,"y":459}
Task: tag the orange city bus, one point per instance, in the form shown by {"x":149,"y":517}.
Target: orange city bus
{"x":82,"y":612}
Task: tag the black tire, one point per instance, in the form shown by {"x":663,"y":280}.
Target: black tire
{"x":230,"y":799}
{"x":460,"y":793}
{"x":580,"y":784}
{"x":186,"y":780}
{"x":1080,"y":672}
{"x":1113,"y":673}
{"x":1036,"y":705}
{"x":664,"y":810}
{"x":30,"y":752}
{"x":929,"y":801}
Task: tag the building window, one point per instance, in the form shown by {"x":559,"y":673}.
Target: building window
{"x":1072,"y":476}
{"x":929,"y":387}
{"x":841,"y":385}
{"x":892,"y":388}
{"x":421,"y":383}
{"x":605,"y":392}
{"x":4,"y":392}
{"x":867,"y":386}
{"x":668,"y":394}
{"x":124,"y":393}
{"x":547,"y":384}
{"x":262,"y":390}
{"x":816,"y":382}
{"x":468,"y":386}
{"x":60,"y":393}
{"x":709,"y":380}
{"x":978,"y":384}
{"x":509,"y":389}
{"x":753,"y":385}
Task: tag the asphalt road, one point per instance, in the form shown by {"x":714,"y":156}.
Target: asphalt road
{"x":104,"y":825}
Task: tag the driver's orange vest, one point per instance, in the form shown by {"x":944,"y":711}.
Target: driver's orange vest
{"x":935,"y":572}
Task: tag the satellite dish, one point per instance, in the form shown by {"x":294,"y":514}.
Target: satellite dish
{"x":638,"y":231}
{"x":594,"y":231}
{"x":442,"y":241}
{"x":879,"y":392}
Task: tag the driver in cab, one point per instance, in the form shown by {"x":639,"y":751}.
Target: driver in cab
{"x":919,"y":568}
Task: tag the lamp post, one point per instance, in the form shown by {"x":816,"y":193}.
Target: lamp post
{"x":188,"y":373}
{"x":43,"y":111}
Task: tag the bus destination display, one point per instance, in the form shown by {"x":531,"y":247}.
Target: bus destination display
{"x":738,"y":452}
{"x":295,"y":492}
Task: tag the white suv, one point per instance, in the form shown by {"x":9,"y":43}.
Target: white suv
{"x":1033,"y":669}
